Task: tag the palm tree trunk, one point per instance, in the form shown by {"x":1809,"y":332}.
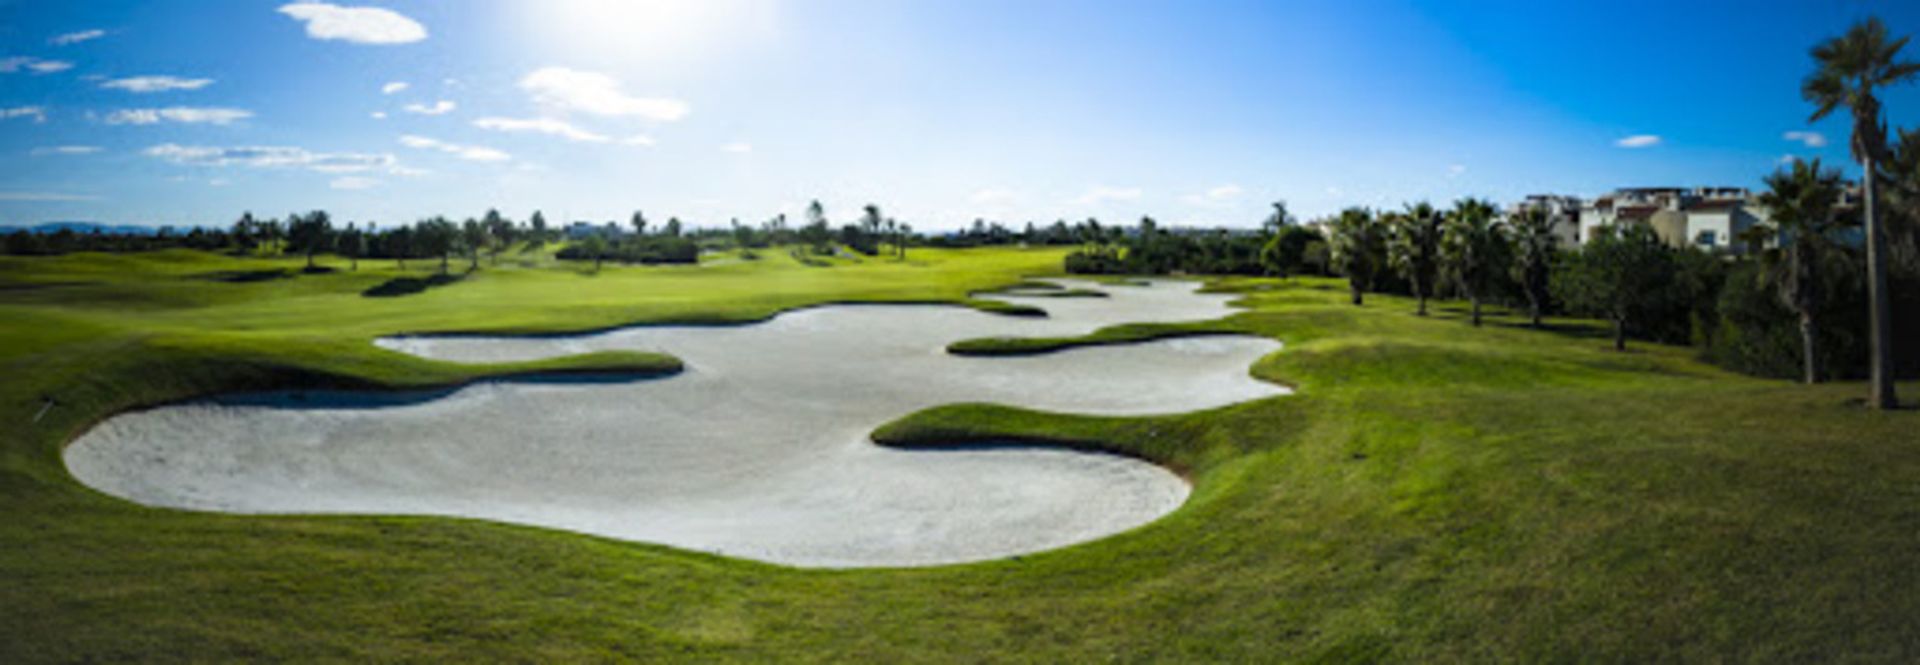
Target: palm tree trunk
{"x":1536,"y":311}
{"x":1881,"y":335}
{"x":1810,"y":356}
{"x":1475,"y":297}
{"x":1619,"y":333}
{"x":1355,"y":288}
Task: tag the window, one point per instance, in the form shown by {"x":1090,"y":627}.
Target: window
{"x":1707,"y":238}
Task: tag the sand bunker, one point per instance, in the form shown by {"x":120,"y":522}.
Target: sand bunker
{"x":758,"y":450}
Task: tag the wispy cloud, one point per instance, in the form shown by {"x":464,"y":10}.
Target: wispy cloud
{"x":738,"y":147}
{"x":45,"y":196}
{"x":548,"y":126}
{"x":468,"y":152}
{"x":564,"y":90}
{"x":38,"y":113}
{"x":441,"y":107}
{"x":360,"y":25}
{"x":993,"y":196}
{"x":1099,"y":194}
{"x":393,"y":87}
{"x":1456,"y":170}
{"x":67,"y":150}
{"x":1215,"y":197}
{"x":156,"y":84}
{"x":353,"y":183}
{"x":181,"y":114}
{"x":1638,"y":141}
{"x":273,"y":157}
{"x":13,"y":64}
{"x":638,"y":139}
{"x":76,"y":37}
{"x":378,"y":115}
{"x":1808,"y":139}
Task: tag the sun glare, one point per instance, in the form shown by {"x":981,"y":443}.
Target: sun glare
{"x":645,"y":30}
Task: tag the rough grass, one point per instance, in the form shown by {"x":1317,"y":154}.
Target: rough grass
{"x":1434,"y":492}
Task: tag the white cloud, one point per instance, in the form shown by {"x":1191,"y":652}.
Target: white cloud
{"x":587,"y":92}
{"x":379,"y":115}
{"x":993,"y":196}
{"x":354,"y":183}
{"x":638,"y":139}
{"x":1456,"y":170}
{"x":156,"y":83}
{"x":1102,"y":194}
{"x":441,"y":107}
{"x":469,"y":152}
{"x":1785,"y":160}
{"x":181,"y":114}
{"x":16,"y":63}
{"x":361,"y":25}
{"x":76,"y":37}
{"x":1808,"y":139}
{"x":737,"y":147}
{"x":1215,"y":197}
{"x":38,"y":113}
{"x":273,"y":157}
{"x":218,"y":182}
{"x":45,"y":196}
{"x":67,"y":150}
{"x":547,"y":126}
{"x":1638,"y":141}
{"x":393,"y":87}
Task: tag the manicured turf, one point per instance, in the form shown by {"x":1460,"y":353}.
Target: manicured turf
{"x":1434,"y":492}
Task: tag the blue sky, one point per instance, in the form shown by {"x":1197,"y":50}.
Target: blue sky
{"x":940,"y":112}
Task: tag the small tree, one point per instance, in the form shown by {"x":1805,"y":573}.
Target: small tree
{"x":353,"y":245}
{"x":1413,"y":249}
{"x":1621,"y":274}
{"x":594,"y":245}
{"x":539,"y":224}
{"x":638,"y":222}
{"x":473,"y":239}
{"x":1801,"y":201}
{"x":310,"y":233}
{"x":1534,"y":246}
{"x":1354,"y":245}
{"x":1473,"y":250}
{"x":399,"y":243}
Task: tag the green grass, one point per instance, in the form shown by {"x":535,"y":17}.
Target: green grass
{"x":1433,"y":492}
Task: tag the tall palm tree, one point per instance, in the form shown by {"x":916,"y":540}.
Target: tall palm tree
{"x":1354,"y":244}
{"x":1413,"y":248}
{"x":1802,"y":221}
{"x":1472,"y":249}
{"x":1534,"y":244}
{"x":1847,"y":70}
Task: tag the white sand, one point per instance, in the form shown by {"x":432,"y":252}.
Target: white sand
{"x":758,"y":450}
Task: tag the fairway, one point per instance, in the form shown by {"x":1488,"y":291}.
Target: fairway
{"x":1432,"y":491}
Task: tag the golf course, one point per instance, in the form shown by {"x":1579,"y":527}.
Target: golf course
{"x":1358,"y":483}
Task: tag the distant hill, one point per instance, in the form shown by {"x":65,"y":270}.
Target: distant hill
{"x":86,"y":227}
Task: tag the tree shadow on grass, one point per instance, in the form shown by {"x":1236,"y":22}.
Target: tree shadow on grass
{"x":244,"y":276}
{"x":406,"y":286}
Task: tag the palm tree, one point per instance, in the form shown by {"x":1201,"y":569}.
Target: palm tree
{"x":1354,"y":243}
{"x":1413,"y":248}
{"x":1534,"y":244}
{"x":1472,"y":249}
{"x":1801,"y":201}
{"x":1902,"y":222}
{"x":1847,"y":70}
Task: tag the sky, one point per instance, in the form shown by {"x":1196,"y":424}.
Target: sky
{"x":940,"y":112}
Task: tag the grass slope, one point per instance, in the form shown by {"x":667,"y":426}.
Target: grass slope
{"x":1434,"y":492}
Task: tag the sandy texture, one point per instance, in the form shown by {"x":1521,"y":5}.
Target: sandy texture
{"x":758,"y":450}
